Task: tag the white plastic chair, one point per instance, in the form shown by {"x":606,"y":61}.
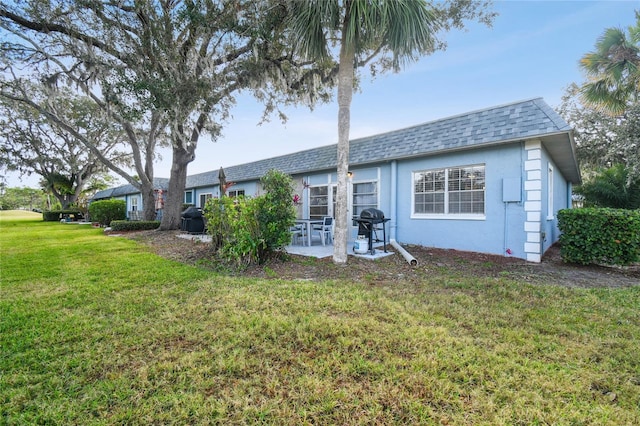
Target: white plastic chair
{"x":297,"y":233}
{"x":325,"y":229}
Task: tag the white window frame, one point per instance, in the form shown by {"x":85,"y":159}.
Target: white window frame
{"x":354,"y":205}
{"x":328,"y":203}
{"x":204,"y":196}
{"x":134,"y":203}
{"x":185,"y":197}
{"x":235,"y":193}
{"x":446,"y":214}
{"x":550,"y":215}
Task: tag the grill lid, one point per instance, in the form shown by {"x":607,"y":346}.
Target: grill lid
{"x":372,"y":214}
{"x":192,"y":212}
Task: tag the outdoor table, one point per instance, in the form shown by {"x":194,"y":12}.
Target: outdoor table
{"x":308,"y":223}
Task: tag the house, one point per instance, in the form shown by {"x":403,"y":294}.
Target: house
{"x":131,"y":196}
{"x":489,"y":181}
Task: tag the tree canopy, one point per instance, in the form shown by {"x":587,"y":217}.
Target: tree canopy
{"x":613,"y":70}
{"x":165,"y":71}
{"x":30,"y":143}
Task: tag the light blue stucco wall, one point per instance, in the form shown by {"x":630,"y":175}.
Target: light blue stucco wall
{"x":502,"y":229}
{"x":250,"y":189}
{"x":561,"y":196}
{"x":499,"y":231}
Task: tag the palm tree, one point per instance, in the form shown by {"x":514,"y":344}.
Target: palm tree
{"x":395,"y":31}
{"x":613,"y":70}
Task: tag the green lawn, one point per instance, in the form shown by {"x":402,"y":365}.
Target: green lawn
{"x":98,"y":330}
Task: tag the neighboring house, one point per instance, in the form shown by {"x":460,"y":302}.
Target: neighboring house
{"x":489,"y":181}
{"x":131,"y":196}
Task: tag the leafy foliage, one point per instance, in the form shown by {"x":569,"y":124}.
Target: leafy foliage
{"x":594,"y":235}
{"x":31,"y":143}
{"x":613,"y":69}
{"x":611,"y":188}
{"x":603,"y":140}
{"x":138,"y":225}
{"x":105,"y":211}
{"x":21,"y":198}
{"x":276,"y":212}
{"x":245,"y":230}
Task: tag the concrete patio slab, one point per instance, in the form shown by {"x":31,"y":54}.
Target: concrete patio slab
{"x":316,"y":249}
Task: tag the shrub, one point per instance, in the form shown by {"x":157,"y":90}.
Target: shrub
{"x":233,"y":225}
{"x":611,"y":188}
{"x":246,"y":230}
{"x":140,"y":225}
{"x":106,"y":211}
{"x":56,"y":215}
{"x":275,"y":209}
{"x":595,"y":235}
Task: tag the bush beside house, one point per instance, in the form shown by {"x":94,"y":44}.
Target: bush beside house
{"x":246,"y":230}
{"x":600,"y":235}
{"x":138,"y":225}
{"x":106,"y":211}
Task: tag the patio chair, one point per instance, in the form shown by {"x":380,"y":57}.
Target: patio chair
{"x":325,"y":229}
{"x":297,"y":234}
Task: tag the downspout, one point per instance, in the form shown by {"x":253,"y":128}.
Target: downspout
{"x":394,"y":200}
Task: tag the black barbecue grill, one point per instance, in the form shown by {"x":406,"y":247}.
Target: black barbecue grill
{"x":192,"y":221}
{"x":369,"y":222}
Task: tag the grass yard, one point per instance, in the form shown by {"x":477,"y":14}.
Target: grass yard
{"x":98,"y":330}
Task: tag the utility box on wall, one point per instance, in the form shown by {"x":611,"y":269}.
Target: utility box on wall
{"x":511,"y":190}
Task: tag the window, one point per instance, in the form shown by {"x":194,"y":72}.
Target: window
{"x":365,"y":196}
{"x":550,"y":193}
{"x":454,"y":191}
{"x":235,"y":193}
{"x":134,"y":204}
{"x":188,"y":197}
{"x":204,"y":198}
{"x":318,"y":202}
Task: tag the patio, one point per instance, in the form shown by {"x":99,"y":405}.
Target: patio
{"x":315,"y":250}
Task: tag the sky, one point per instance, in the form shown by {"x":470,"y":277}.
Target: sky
{"x":532,"y":50}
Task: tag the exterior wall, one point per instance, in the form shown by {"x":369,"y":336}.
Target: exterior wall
{"x":535,"y":193}
{"x":130,"y":202}
{"x":375,"y":173}
{"x":499,"y":232}
{"x":250,"y":189}
{"x":524,"y":190}
{"x":558,"y":197}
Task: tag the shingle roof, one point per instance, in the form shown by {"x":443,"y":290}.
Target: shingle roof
{"x":490,"y":126}
{"x":158,"y":183}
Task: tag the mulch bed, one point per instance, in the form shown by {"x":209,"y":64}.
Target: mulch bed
{"x":431,"y":263}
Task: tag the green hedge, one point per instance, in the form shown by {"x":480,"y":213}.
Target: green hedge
{"x":140,"y":225}
{"x":56,"y":215}
{"x":106,"y":211}
{"x":600,"y":236}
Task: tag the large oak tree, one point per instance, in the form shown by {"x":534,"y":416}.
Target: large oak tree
{"x":31,"y":144}
{"x":166,"y":71}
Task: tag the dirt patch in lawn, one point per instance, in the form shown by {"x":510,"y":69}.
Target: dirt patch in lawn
{"x":432,"y":263}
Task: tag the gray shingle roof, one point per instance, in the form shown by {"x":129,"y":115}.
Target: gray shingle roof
{"x":491,"y":126}
{"x":158,"y":183}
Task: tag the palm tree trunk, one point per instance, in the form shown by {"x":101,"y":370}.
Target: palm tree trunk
{"x":345,"y":93}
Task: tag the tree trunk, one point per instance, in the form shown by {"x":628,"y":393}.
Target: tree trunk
{"x":345,"y":93}
{"x":148,"y":201}
{"x":175,"y":195}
